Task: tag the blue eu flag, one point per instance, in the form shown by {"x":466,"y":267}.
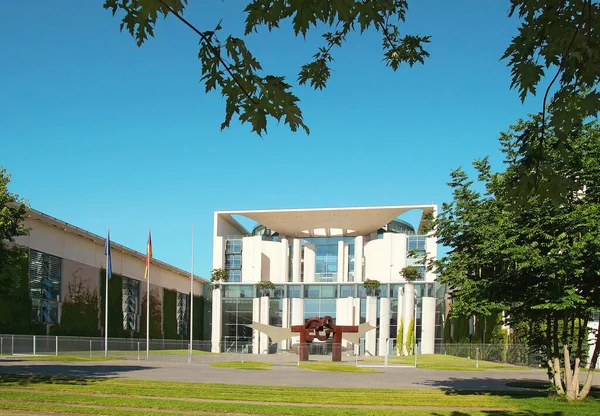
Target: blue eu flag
{"x":107,"y":253}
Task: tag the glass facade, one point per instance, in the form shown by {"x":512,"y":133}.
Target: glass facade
{"x":326,"y":262}
{"x":321,"y":300}
{"x":183,"y":302}
{"x":237,"y":337}
{"x":44,"y":286}
{"x":233,"y":259}
{"x":130,"y":303}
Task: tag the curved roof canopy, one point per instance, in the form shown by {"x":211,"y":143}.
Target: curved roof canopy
{"x":326,"y":222}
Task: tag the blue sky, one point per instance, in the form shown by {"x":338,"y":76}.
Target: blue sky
{"x":98,"y":132}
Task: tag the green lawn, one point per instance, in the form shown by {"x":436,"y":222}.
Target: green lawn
{"x":339,"y":367}
{"x":444,"y":362}
{"x":242,"y":365}
{"x":133,"y":397}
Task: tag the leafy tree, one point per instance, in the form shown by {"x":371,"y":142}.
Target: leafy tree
{"x":537,"y":260}
{"x":13,"y":211}
{"x":557,"y":38}
{"x":15,"y":302}
{"x":253,"y":95}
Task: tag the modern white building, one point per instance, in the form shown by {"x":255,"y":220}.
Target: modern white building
{"x":318,"y":260}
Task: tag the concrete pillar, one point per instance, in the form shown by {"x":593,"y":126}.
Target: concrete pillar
{"x":358,"y":257}
{"x":217,"y":319}
{"x":218,"y":252}
{"x":356,"y":319}
{"x":346,"y":263}
{"x":384,"y":325}
{"x":370,"y":336}
{"x":264,"y":319}
{"x":285,"y":320}
{"x":255,"y":318}
{"x":428,"y":325}
{"x":296,"y":258}
{"x":341,"y":277}
{"x":310,"y":260}
{"x":297,"y":315}
{"x":408,"y":310}
{"x":285,"y":261}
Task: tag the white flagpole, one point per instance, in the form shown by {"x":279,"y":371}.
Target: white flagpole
{"x":192,"y":300}
{"x":106,"y":299}
{"x":148,"y":298}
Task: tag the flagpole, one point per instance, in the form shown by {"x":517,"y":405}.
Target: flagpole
{"x":106,"y":298}
{"x":148,"y":299}
{"x":192,"y":299}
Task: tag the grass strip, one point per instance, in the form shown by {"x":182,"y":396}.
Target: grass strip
{"x":446,"y":362}
{"x":342,"y":368}
{"x":242,"y":365}
{"x":532,"y":401}
{"x":93,"y":404}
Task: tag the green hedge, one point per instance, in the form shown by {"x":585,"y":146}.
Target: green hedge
{"x":79,"y":313}
{"x":198,"y":315}
{"x":115,"y":304}
{"x":170,"y":314}
{"x":155,"y":316}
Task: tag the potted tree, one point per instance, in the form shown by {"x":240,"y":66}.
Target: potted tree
{"x":264,"y":288}
{"x":217,"y":276}
{"x":410,"y":273}
{"x":372,"y":287}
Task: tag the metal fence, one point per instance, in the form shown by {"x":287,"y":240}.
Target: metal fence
{"x":515,"y":354}
{"x":179,"y":351}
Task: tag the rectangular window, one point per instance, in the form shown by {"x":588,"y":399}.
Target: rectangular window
{"x":182,"y":313}
{"x":347,"y":291}
{"x":416,"y":242}
{"x":312,"y":292}
{"x":44,"y":285}
{"x":233,"y":259}
{"x":130,"y":303}
{"x":294,"y":291}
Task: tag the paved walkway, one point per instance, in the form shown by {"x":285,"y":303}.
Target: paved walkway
{"x":400,"y":378}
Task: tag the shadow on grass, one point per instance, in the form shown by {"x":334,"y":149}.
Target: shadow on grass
{"x":22,"y":373}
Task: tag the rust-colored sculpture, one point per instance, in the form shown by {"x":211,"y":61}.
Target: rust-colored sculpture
{"x":316,"y":328}
{"x":322,"y":329}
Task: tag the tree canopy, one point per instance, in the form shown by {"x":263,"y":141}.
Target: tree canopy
{"x":558,"y":39}
{"x":530,"y":256}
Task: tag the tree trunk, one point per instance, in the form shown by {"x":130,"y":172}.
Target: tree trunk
{"x":585,"y":390}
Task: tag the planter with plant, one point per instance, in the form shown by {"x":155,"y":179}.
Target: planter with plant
{"x":371,"y":287}
{"x":265,"y":288}
{"x":217,"y":276}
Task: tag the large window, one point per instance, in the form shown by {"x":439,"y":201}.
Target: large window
{"x":319,"y":308}
{"x":237,"y":337}
{"x":416,"y":242}
{"x":130,"y":300}
{"x":183,"y":313}
{"x":44,"y":286}
{"x":233,"y":259}
{"x":326,"y":261}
